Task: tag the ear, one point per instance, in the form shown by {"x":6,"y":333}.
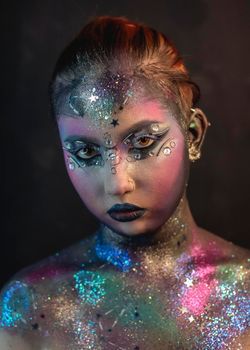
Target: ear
{"x":197,"y":128}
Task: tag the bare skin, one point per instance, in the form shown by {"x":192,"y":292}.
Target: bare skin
{"x":159,"y":281}
{"x":60,"y":309}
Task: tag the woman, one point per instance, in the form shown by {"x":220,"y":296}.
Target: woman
{"x":149,"y":277}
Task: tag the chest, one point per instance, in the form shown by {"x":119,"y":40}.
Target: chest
{"x":106,"y":311}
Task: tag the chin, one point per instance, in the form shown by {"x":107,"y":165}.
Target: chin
{"x":134,"y":228}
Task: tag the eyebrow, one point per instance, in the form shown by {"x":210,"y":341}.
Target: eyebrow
{"x":134,"y":128}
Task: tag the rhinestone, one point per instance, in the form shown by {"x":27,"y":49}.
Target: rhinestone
{"x":167,"y":151}
{"x":78,"y":142}
{"x":126,"y":142}
{"x":67,"y":145}
{"x":155,"y":127}
{"x":137,"y":156}
{"x":108,"y":142}
{"x":151,"y":154}
{"x":172,"y":144}
{"x":130,"y":159}
{"x":71,"y":166}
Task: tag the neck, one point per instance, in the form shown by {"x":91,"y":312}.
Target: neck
{"x":174,"y":236}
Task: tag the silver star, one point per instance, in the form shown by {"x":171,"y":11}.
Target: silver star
{"x":93,"y":98}
{"x":191,"y":319}
{"x":188,"y":282}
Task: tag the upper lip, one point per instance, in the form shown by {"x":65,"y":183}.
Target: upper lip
{"x":123,"y":207}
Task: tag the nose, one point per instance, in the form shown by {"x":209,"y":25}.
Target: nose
{"x":118,"y":183}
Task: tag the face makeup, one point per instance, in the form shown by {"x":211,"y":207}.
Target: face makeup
{"x":125,"y":212}
{"x":143,"y":162}
{"x":139,"y":145}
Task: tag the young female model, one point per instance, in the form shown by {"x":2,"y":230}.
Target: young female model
{"x":149,"y":278}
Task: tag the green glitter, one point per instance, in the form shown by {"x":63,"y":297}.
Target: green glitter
{"x":89,"y":285}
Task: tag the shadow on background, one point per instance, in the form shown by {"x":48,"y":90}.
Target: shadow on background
{"x":41,"y":211}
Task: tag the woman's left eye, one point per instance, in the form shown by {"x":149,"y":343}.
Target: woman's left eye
{"x":143,"y":142}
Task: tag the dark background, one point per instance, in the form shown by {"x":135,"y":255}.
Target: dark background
{"x":41,"y":211}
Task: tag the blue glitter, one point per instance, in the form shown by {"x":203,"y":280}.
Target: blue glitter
{"x":114,"y":255}
{"x":15,"y":303}
{"x":89,"y":285}
{"x":234,"y":318}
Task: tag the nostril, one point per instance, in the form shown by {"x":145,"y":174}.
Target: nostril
{"x":118,"y":183}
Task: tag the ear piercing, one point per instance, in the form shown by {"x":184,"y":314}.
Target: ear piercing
{"x":194,"y":153}
{"x":192,"y":125}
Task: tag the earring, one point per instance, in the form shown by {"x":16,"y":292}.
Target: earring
{"x":194,"y":154}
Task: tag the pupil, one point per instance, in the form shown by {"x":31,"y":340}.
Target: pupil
{"x":144,"y":140}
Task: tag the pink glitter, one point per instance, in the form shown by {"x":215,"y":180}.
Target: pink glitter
{"x":196,"y":298}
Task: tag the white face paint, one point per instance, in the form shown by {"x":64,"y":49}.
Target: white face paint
{"x":143,"y":161}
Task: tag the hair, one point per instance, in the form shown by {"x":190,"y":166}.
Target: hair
{"x":147,"y":52}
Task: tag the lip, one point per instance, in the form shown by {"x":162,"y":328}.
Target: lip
{"x":125,"y":212}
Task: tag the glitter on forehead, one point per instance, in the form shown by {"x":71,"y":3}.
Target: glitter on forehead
{"x":101,"y":97}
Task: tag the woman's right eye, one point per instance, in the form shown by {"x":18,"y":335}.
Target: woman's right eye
{"x":86,"y":152}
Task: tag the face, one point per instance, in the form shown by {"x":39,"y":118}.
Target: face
{"x":130,"y":172}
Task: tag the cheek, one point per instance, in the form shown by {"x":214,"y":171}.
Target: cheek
{"x":86,"y":185}
{"x":167,"y":175}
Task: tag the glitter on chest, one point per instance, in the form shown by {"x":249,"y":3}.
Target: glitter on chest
{"x":191,"y":302}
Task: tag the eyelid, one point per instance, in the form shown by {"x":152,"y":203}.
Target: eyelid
{"x":154,"y":135}
{"x":77,"y":143}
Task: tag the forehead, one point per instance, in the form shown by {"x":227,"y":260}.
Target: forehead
{"x":143,"y":110}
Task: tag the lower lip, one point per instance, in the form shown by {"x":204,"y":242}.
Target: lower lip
{"x":129,"y":215}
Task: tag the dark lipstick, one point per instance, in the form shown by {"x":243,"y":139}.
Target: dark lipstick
{"x":125,"y":212}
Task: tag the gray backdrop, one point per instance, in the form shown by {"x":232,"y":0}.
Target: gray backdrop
{"x":41,"y":211}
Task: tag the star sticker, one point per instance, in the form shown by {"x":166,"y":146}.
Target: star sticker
{"x":188,"y":282}
{"x":207,"y":307}
{"x":114,"y":122}
{"x":191,"y":319}
{"x":183,"y":309}
{"x":93,"y":98}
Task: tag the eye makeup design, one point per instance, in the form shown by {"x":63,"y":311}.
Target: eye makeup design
{"x":140,"y":145}
{"x":83,"y":153}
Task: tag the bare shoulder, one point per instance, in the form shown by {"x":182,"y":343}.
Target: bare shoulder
{"x":31,"y":300}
